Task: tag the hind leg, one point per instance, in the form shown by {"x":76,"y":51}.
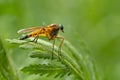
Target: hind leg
{"x":53,"y":49}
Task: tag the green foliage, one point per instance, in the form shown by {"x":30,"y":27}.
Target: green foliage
{"x":71,"y":61}
{"x":97,"y":22}
{"x":6,"y":69}
{"x":49,"y":70}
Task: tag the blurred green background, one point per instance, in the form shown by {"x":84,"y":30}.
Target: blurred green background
{"x":96,"y":22}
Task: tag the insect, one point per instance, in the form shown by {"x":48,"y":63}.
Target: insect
{"x":49,"y":31}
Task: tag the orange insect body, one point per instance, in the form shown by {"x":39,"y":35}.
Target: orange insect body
{"x":50,"y":31}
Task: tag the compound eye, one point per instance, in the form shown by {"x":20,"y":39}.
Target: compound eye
{"x":61,"y":26}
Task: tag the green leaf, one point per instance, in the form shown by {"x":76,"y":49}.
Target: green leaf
{"x":16,"y":41}
{"x":39,"y":54}
{"x":81,"y":66}
{"x":49,"y":70}
{"x":25,"y":44}
{"x":6,"y":69}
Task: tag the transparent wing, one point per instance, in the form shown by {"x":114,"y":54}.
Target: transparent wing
{"x":28,"y":29}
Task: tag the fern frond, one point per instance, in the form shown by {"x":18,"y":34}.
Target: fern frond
{"x":6,"y":69}
{"x":55,"y":70}
{"x":39,"y":54}
{"x":75,"y":62}
{"x":16,"y":41}
{"x":25,"y":44}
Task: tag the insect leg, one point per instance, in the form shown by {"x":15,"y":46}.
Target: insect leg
{"x":53,"y":47}
{"x":59,"y":49}
{"x":35,"y":39}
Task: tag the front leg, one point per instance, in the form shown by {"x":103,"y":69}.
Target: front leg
{"x":59,"y":49}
